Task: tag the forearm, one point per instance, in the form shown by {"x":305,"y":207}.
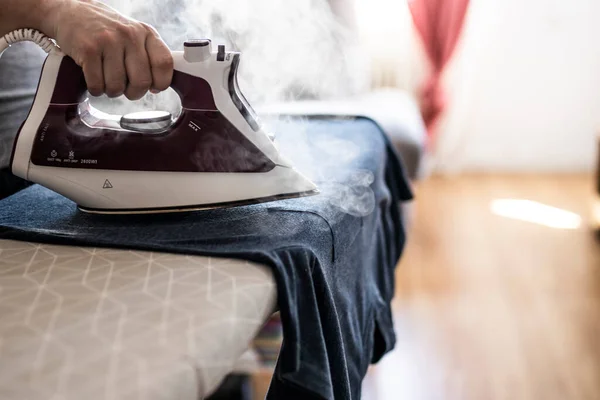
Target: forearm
{"x":36,"y":14}
{"x":118,"y":55}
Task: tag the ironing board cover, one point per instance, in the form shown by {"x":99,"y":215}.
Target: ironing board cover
{"x":333,"y":255}
{"x":100,"y":323}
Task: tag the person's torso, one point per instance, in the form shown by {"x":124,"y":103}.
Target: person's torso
{"x":20,"y":68}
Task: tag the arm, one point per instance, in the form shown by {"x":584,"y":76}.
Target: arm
{"x":17,"y":14}
{"x":118,"y":55}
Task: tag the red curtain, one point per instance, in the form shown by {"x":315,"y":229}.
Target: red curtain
{"x":439,"y":23}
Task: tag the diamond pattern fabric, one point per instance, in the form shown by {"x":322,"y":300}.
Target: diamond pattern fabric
{"x":91,"y":323}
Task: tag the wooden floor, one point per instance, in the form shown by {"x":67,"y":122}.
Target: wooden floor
{"x":489,"y":307}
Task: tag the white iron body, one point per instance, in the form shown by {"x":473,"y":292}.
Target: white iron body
{"x":140,"y":191}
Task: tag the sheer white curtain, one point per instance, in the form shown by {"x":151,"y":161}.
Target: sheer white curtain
{"x":524,"y":88}
{"x":385,"y":28}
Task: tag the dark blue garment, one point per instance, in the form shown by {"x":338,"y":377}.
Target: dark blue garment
{"x":333,"y":254}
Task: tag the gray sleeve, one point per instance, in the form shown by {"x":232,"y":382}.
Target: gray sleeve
{"x":20,"y":68}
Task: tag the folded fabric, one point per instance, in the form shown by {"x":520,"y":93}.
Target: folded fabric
{"x":333,"y":254}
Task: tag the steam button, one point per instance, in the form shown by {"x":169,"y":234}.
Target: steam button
{"x":197,"y":50}
{"x":197,"y":43}
{"x":221,"y":53}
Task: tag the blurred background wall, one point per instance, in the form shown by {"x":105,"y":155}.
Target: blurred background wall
{"x":522,"y":86}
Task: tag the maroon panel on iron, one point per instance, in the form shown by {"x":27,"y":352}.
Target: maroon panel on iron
{"x":200,"y":141}
{"x":70,"y":84}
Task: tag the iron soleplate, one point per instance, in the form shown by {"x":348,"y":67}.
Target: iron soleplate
{"x":191,"y":208}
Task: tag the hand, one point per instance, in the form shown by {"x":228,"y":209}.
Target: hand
{"x":118,"y":55}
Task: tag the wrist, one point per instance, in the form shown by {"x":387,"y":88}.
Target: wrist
{"x":44,"y":16}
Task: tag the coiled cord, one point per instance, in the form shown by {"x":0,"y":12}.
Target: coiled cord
{"x":27,"y":35}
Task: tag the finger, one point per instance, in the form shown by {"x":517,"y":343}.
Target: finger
{"x":115,"y":77}
{"x":139,"y":75}
{"x":161,"y":62}
{"x":94,"y":77}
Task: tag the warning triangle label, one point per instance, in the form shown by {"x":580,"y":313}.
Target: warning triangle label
{"x":107,"y":185}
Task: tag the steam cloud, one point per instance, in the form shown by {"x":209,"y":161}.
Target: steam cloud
{"x":291,"y":50}
{"x":328,"y":161}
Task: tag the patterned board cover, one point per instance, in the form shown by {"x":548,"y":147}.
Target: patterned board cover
{"x":90,"y":323}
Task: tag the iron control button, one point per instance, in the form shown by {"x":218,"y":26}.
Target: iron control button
{"x":221,"y":53}
{"x":197,"y":43}
{"x":197,"y":50}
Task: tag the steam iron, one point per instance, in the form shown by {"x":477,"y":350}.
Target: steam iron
{"x":214,"y":154}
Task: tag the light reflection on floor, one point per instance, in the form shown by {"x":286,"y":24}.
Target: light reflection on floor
{"x":534,"y":212}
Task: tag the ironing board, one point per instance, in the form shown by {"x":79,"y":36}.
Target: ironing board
{"x":150,"y":325}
